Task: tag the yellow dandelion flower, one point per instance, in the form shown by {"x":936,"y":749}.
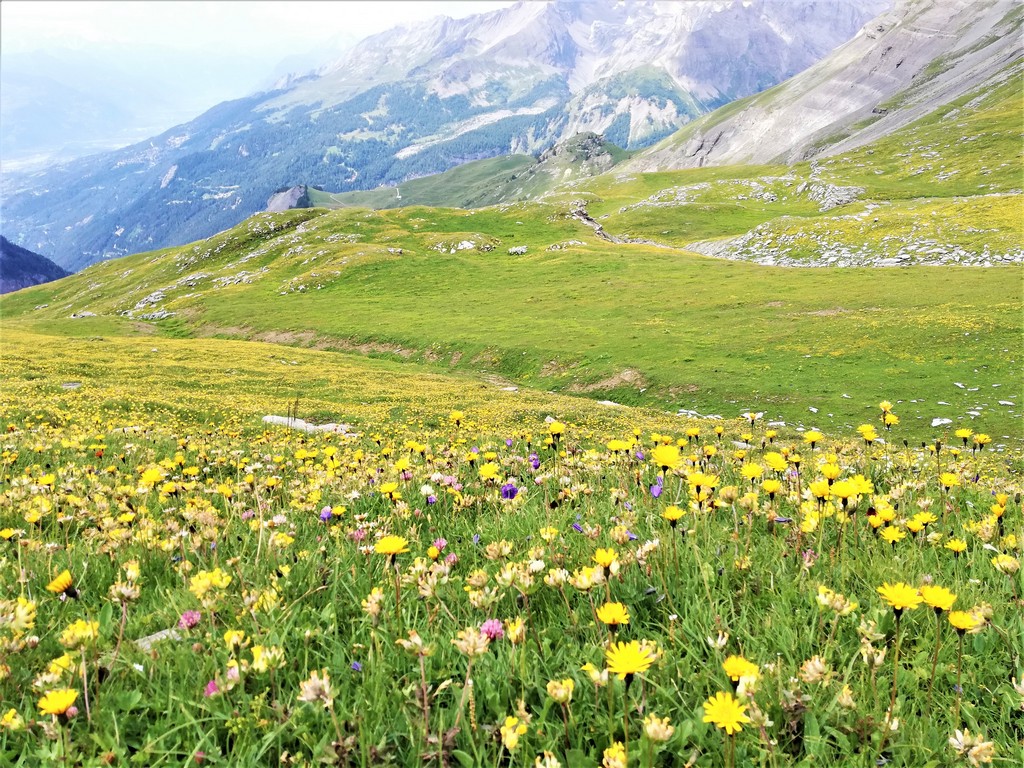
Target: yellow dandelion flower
{"x":726,"y":712}
{"x":58,"y":702}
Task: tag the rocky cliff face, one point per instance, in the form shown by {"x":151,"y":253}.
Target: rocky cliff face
{"x":20,"y":268}
{"x":901,"y":66}
{"x":286,"y":199}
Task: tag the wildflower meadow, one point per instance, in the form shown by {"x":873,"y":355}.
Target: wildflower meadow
{"x":460,"y":577}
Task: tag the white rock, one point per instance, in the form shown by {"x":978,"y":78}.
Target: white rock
{"x":941,"y":422}
{"x":304,"y":426}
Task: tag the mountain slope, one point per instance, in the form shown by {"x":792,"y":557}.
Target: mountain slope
{"x":903,"y":66}
{"x":20,"y":268}
{"x":419,"y":100}
{"x":494,"y":180}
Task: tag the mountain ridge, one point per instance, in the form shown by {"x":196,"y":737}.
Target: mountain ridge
{"x":21,"y":268}
{"x":458,"y":98}
{"x":907,"y":63}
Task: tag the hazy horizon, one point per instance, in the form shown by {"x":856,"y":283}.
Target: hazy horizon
{"x":82,"y":77}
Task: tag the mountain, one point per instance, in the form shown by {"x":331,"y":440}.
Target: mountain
{"x":20,"y":268}
{"x":907,"y":63}
{"x":488,"y":182}
{"x":422,"y":99}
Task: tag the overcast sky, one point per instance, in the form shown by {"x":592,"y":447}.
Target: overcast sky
{"x":277,"y":27}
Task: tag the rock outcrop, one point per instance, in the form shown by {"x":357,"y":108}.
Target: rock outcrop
{"x":901,"y":66}
{"x":288,"y":198}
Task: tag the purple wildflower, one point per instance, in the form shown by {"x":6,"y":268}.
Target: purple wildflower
{"x":326,"y":513}
{"x":656,"y":490}
{"x":212,"y":689}
{"x":577,"y":527}
{"x":248,"y":514}
{"x":357,"y":667}
{"x":431,"y":499}
{"x":493,"y":629}
{"x":451,"y":559}
{"x":189,"y":619}
{"x":440,"y":543}
{"x":508,"y":442}
{"x":534,"y":461}
{"x":509,"y":491}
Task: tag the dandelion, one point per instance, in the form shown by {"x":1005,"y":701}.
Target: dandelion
{"x":58,"y":702}
{"x":391,"y":546}
{"x":628,"y":659}
{"x":949,"y":480}
{"x":892,"y":535}
{"x":736,"y":667}
{"x":62,"y":584}
{"x":956,"y":546}
{"x":667,"y":457}
{"x":726,"y":712}
{"x":613,"y":615}
{"x":812,"y":437}
{"x":900,"y":597}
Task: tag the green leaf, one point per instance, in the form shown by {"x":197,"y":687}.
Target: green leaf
{"x":106,"y":614}
{"x":127,"y":700}
{"x":577,"y":758}
{"x":463,"y":758}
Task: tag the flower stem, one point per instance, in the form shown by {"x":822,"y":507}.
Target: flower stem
{"x":959,"y":689}
{"x":935,"y":656}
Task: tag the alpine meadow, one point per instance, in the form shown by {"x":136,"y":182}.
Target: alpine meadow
{"x":581,"y":385}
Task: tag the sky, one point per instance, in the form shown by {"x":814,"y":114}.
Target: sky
{"x":164,"y":62}
{"x":277,"y":27}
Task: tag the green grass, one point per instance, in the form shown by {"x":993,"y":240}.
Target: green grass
{"x":703,"y":334}
{"x":473,"y":184}
{"x":155,"y":473}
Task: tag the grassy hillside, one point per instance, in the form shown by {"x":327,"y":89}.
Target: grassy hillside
{"x":640,"y":322}
{"x":631,"y":323}
{"x":492,"y":181}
